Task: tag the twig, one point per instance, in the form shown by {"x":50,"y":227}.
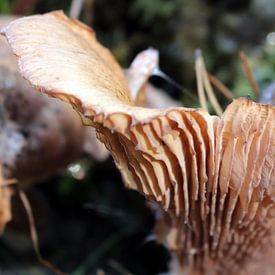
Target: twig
{"x":76,"y":7}
{"x":249,"y":74}
{"x":220,"y":87}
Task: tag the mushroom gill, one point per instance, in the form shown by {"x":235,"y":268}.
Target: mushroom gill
{"x":213,"y":176}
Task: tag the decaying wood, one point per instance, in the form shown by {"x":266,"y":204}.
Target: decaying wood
{"x":213,"y":176}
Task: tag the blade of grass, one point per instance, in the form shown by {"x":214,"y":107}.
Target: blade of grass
{"x":210,"y":92}
{"x":199,"y":77}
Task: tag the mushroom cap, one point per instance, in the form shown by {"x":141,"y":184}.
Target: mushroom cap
{"x":214,"y":176}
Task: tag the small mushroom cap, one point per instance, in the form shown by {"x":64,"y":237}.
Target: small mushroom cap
{"x":215,"y":176}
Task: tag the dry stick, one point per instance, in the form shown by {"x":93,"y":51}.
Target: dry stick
{"x":220,"y":87}
{"x":76,"y":7}
{"x":199,"y":77}
{"x":34,"y":235}
{"x":209,"y":90}
{"x":249,"y":74}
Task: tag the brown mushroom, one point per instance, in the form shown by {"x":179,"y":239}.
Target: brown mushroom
{"x":214,"y":176}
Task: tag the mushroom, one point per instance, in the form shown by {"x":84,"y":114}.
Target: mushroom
{"x":213,"y":176}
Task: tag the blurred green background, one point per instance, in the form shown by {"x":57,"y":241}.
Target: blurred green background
{"x":96,"y":224}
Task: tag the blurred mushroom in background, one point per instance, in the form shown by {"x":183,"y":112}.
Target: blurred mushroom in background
{"x":268,"y":95}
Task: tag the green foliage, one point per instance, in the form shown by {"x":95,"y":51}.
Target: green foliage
{"x":154,"y":9}
{"x":5,"y":7}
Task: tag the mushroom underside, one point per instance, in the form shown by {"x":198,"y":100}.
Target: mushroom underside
{"x":213,"y":176}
